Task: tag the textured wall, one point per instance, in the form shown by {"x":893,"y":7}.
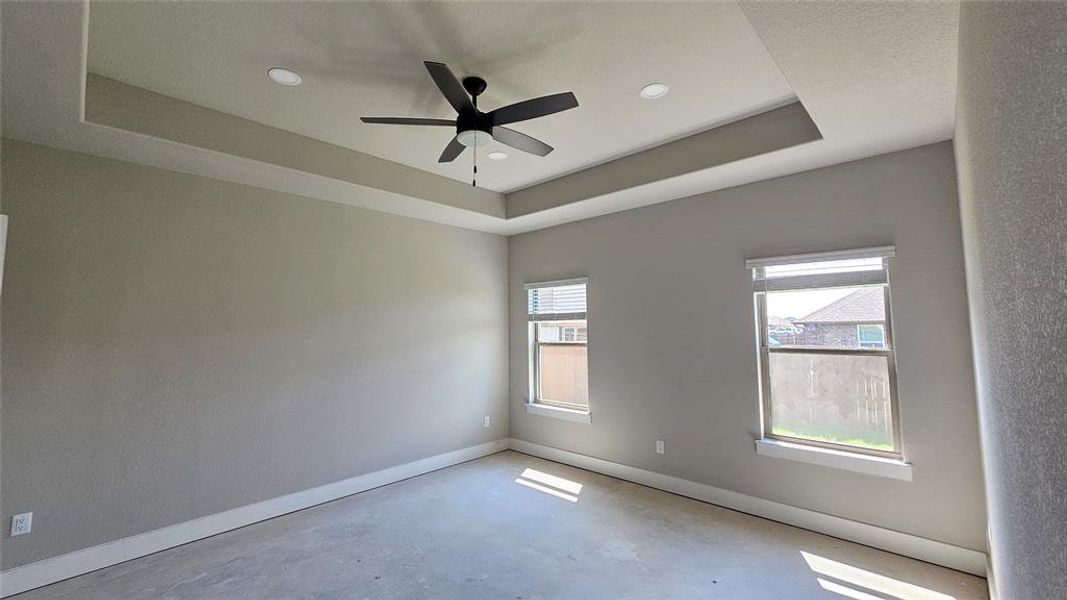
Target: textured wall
{"x":1012,"y":157}
{"x":672,"y":352}
{"x":175,"y":346}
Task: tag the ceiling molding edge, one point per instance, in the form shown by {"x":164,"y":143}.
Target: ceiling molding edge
{"x":125,"y":107}
{"x":762,"y":133}
{"x":230,"y":148}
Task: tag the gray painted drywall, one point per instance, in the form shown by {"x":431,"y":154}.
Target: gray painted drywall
{"x":762,"y":133}
{"x":672,"y":342}
{"x":175,"y":346}
{"x":1012,"y":151}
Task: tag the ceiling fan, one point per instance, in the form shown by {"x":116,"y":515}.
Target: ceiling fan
{"x":476,"y":128}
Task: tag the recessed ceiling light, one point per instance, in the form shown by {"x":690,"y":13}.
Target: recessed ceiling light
{"x":497,"y":156}
{"x":654,"y":90}
{"x":283,"y":76}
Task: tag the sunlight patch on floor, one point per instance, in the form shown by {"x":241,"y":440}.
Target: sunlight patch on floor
{"x":849,"y":578}
{"x":550,"y":484}
{"x":847,"y":592}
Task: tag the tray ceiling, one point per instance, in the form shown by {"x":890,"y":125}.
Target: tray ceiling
{"x":364,"y":58}
{"x":870,"y":78}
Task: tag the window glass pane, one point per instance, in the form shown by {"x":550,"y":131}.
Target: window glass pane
{"x":564,"y":374}
{"x":842,"y":399}
{"x":549,"y":332}
{"x":562,"y":355}
{"x":827,"y":318}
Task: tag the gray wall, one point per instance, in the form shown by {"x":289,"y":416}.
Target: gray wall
{"x":672,"y":342}
{"x":175,"y":346}
{"x":1012,"y":156}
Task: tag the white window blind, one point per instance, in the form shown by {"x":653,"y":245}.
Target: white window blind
{"x":556,"y":300}
{"x":847,"y":268}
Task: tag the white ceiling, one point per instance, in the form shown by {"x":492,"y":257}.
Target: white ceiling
{"x":365,"y":58}
{"x":879,"y":74}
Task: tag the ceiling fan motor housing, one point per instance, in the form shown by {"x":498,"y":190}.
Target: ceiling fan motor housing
{"x":473,"y":119}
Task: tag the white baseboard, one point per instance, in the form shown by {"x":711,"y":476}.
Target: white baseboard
{"x":58,"y":568}
{"x":939,"y":553}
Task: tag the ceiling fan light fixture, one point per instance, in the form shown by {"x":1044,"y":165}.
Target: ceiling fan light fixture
{"x":476,"y":128}
{"x":497,"y":155}
{"x":474,"y":137}
{"x":654,"y":90}
{"x":284,"y":76}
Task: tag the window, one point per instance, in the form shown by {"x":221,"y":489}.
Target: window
{"x":559,"y":375}
{"x":827,"y":368}
{"x":871,"y":335}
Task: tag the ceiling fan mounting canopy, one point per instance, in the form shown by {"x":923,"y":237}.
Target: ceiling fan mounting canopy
{"x":477,"y":128}
{"x":474,"y":85}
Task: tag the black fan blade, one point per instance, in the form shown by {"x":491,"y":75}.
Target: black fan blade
{"x":521,"y":141}
{"x":531,"y":109}
{"x":452,"y":150}
{"x":408,"y":121}
{"x":449,"y":86}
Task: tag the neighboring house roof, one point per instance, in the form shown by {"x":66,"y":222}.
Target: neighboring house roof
{"x":861,"y":306}
{"x":778,"y":323}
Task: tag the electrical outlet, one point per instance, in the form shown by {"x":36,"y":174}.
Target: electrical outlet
{"x":21,"y":524}
{"x":660,"y":448}
{"x":487,"y":421}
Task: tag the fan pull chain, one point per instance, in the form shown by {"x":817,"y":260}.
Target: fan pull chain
{"x":474,"y":179}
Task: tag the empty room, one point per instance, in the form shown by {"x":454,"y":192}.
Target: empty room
{"x":533,"y":300}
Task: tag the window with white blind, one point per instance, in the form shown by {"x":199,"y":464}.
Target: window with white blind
{"x":827,"y":364}
{"x":559,"y":336}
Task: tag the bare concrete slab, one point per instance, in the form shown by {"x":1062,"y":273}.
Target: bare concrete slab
{"x":514,"y":527}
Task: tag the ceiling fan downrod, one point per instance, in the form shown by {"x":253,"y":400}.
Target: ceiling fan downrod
{"x":474,"y":86}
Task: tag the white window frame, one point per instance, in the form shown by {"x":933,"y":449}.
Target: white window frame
{"x":548,"y":407}
{"x":857,"y":279}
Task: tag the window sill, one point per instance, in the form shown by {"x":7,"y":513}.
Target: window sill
{"x":567,"y":414}
{"x":868,"y":465}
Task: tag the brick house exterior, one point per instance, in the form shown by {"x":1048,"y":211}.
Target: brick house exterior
{"x":839,"y":323}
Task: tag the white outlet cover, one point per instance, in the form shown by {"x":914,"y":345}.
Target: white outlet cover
{"x":660,"y":447}
{"x":487,"y":421}
{"x":21,"y":524}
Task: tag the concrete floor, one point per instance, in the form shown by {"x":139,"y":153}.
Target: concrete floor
{"x":503,"y":527}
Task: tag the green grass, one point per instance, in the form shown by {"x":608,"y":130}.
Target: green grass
{"x":875,"y":440}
